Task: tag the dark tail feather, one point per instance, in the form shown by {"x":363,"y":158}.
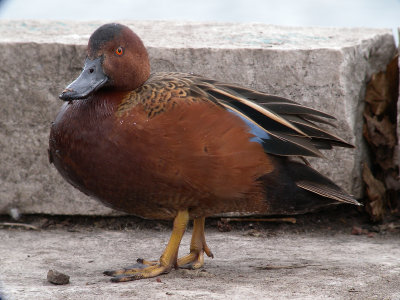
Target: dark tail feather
{"x":295,"y":188}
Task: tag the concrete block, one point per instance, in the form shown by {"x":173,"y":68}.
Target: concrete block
{"x":324,"y":68}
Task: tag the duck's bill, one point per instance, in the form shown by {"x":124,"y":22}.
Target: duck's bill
{"x":91,"y":79}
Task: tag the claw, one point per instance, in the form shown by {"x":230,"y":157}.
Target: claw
{"x":146,"y":262}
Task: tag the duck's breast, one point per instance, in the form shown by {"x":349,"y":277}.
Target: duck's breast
{"x":85,"y":148}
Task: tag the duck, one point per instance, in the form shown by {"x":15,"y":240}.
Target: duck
{"x":180,"y":147}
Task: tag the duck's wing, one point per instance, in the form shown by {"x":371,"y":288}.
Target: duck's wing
{"x":282,"y":126}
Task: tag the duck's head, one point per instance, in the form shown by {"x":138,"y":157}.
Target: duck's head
{"x":116,"y":59}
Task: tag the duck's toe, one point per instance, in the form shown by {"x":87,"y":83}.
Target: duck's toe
{"x":192,"y":261}
{"x":141,"y":273}
{"x":139,"y":265}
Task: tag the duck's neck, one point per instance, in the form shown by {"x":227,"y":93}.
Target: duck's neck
{"x":108,"y":97}
{"x":100,"y":105}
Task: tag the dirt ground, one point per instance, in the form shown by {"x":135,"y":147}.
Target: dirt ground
{"x":331,"y":255}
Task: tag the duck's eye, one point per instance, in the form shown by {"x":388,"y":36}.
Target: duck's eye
{"x":119,"y":51}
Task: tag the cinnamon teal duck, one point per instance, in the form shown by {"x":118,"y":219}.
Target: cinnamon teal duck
{"x":177,"y":146}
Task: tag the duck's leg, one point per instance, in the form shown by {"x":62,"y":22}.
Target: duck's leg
{"x":198,"y":246}
{"x":167,"y":260}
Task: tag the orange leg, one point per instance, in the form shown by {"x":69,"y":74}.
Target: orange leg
{"x":167,"y":260}
{"x":198,"y":246}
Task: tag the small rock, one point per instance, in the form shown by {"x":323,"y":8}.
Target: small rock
{"x":56,"y":277}
{"x":254,"y":232}
{"x":356,"y":230}
{"x":224,"y":226}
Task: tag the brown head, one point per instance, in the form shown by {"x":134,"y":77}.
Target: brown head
{"x":116,"y":59}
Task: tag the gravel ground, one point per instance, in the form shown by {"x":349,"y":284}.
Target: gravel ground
{"x":317,"y":259}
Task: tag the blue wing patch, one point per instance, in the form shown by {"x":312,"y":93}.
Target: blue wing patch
{"x":260,"y":135}
{"x":282,"y":144}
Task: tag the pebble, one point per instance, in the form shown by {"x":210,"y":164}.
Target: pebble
{"x":56,"y":277}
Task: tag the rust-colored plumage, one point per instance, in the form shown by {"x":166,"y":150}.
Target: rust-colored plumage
{"x":179,"y":146}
